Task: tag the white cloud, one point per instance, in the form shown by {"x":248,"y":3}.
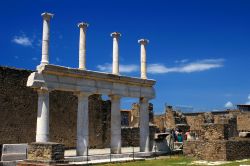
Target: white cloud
{"x":229,"y":104}
{"x":34,"y":58}
{"x":197,"y":66}
{"x":182,"y":61}
{"x":157,"y":68}
{"x":22,"y":40}
{"x":123,"y":68}
{"x":248,"y":102}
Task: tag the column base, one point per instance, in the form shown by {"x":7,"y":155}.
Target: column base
{"x":116,"y":150}
{"x":44,"y":153}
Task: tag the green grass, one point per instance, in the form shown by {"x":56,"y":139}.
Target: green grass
{"x":171,"y":161}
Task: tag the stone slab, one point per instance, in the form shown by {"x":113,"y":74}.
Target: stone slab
{"x":8,"y":163}
{"x":13,"y":156}
{"x":244,"y":134}
{"x":14,"y":148}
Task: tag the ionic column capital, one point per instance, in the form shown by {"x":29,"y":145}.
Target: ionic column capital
{"x":47,"y":16}
{"x":83,"y":25}
{"x":116,"y":35}
{"x":143,"y":41}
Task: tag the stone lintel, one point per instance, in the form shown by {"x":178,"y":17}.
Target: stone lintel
{"x":71,"y":72}
{"x":75,"y":80}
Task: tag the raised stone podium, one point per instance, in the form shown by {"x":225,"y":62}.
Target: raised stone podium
{"x":44,"y":153}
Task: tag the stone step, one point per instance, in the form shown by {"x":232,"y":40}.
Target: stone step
{"x":96,"y":157}
{"x":113,"y":156}
{"x":8,"y":163}
{"x":13,"y":156}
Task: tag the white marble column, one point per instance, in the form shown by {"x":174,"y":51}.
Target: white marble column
{"x":116,"y":36}
{"x":82,"y":45}
{"x":143,"y":43}
{"x":42,"y":126}
{"x":144,"y":125}
{"x":115,"y":125}
{"x":82,"y":124}
{"x":45,"y":41}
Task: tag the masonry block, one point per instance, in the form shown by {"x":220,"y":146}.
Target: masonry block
{"x":48,"y":151}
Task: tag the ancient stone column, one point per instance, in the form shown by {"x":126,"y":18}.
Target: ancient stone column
{"x":144,"y":125}
{"x":115,"y":125}
{"x":45,"y":42}
{"x":82,"y":124}
{"x":42,"y":127}
{"x":82,"y":45}
{"x":115,"y":36}
{"x":143,"y":43}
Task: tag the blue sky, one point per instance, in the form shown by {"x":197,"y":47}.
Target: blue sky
{"x":199,"y":50}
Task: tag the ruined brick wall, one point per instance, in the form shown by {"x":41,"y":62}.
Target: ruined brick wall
{"x":215,"y":150}
{"x":206,"y":150}
{"x":243,"y":122}
{"x":214,"y":131}
{"x":131,"y":136}
{"x":18,"y":105}
{"x":160,"y":122}
{"x":238,"y":149}
{"x":99,"y":122}
{"x":216,"y":144}
{"x":195,"y":122}
{"x":229,"y":119}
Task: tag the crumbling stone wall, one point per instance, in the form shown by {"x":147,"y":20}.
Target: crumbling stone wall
{"x":217,"y":150}
{"x":173,"y":118}
{"x":243,"y":122}
{"x":18,"y":105}
{"x":214,"y":132}
{"x":99,"y":122}
{"x":195,"y":122}
{"x":131,"y":136}
{"x":215,"y":144}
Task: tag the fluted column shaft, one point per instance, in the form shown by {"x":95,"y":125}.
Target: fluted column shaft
{"x":82,"y":45}
{"x":143,"y":43}
{"x":82,"y":124}
{"x":42,"y":127}
{"x":115,"y":36}
{"x":115,"y":125}
{"x":144,"y":125}
{"x":46,"y":35}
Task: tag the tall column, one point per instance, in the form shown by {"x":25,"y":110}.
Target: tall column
{"x":144,"y":125}
{"x":143,"y":43}
{"x":82,"y":124}
{"x":115,"y":124}
{"x":82,"y":45}
{"x":45,"y":42}
{"x":42,"y":126}
{"x":115,"y":36}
